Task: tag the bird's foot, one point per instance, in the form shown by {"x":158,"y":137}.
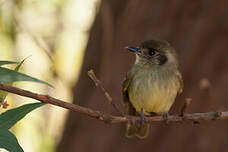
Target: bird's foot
{"x":166,"y":118}
{"x":143,"y":118}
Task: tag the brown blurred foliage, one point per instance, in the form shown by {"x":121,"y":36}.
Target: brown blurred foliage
{"x":199,"y":32}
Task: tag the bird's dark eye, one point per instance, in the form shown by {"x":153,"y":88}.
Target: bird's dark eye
{"x":151,"y":52}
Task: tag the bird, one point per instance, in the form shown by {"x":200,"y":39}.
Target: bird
{"x":151,"y":84}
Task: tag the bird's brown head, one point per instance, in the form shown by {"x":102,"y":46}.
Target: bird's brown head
{"x":155,"y":52}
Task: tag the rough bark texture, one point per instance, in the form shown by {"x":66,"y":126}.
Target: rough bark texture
{"x":198,"y":30}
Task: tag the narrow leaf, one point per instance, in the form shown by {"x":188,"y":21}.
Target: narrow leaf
{"x":12,"y":116}
{"x":9,"y":142}
{"x":7,"y":75}
{"x":3,"y":94}
{"x":19,"y":65}
{"x":7,"y":62}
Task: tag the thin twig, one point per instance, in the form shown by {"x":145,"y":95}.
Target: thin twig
{"x":110,"y":118}
{"x":98,"y":83}
{"x":38,"y":40}
{"x":185,"y":106}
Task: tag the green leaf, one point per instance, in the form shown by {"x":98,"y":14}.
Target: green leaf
{"x":3,"y":94}
{"x":19,"y":65}
{"x":9,"y":118}
{"x":7,"y":62}
{"x":12,"y":116}
{"x":7,"y":75}
{"x":9,"y":142}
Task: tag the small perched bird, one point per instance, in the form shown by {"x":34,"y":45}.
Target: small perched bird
{"x":151,"y":84}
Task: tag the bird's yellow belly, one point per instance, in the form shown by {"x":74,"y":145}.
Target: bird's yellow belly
{"x":156,"y":103}
{"x":156,"y":97}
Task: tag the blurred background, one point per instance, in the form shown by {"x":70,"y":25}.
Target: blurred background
{"x":63,"y":39}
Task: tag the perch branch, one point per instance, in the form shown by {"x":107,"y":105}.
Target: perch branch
{"x":110,"y":118}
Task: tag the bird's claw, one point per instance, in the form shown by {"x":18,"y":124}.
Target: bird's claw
{"x":166,"y":118}
{"x":143,"y":118}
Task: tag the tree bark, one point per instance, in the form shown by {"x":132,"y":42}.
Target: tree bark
{"x":198,"y":30}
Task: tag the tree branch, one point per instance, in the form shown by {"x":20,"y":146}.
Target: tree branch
{"x":107,"y":118}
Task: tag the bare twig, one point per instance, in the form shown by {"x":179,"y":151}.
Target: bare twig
{"x":38,"y":40}
{"x":185,"y":106}
{"x":98,"y":83}
{"x":110,"y":118}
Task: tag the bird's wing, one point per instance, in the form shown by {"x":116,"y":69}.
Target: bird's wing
{"x":125,"y":85}
{"x":181,"y":83}
{"x":125,"y":96}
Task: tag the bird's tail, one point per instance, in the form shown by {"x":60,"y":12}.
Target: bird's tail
{"x":140,"y":130}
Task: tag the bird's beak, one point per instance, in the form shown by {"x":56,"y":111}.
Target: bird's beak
{"x":133,"y":49}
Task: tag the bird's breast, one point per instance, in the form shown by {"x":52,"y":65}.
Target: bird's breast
{"x":153,"y":90}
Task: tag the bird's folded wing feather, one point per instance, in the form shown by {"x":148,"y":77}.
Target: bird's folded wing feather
{"x":181,"y":83}
{"x":125,"y":96}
